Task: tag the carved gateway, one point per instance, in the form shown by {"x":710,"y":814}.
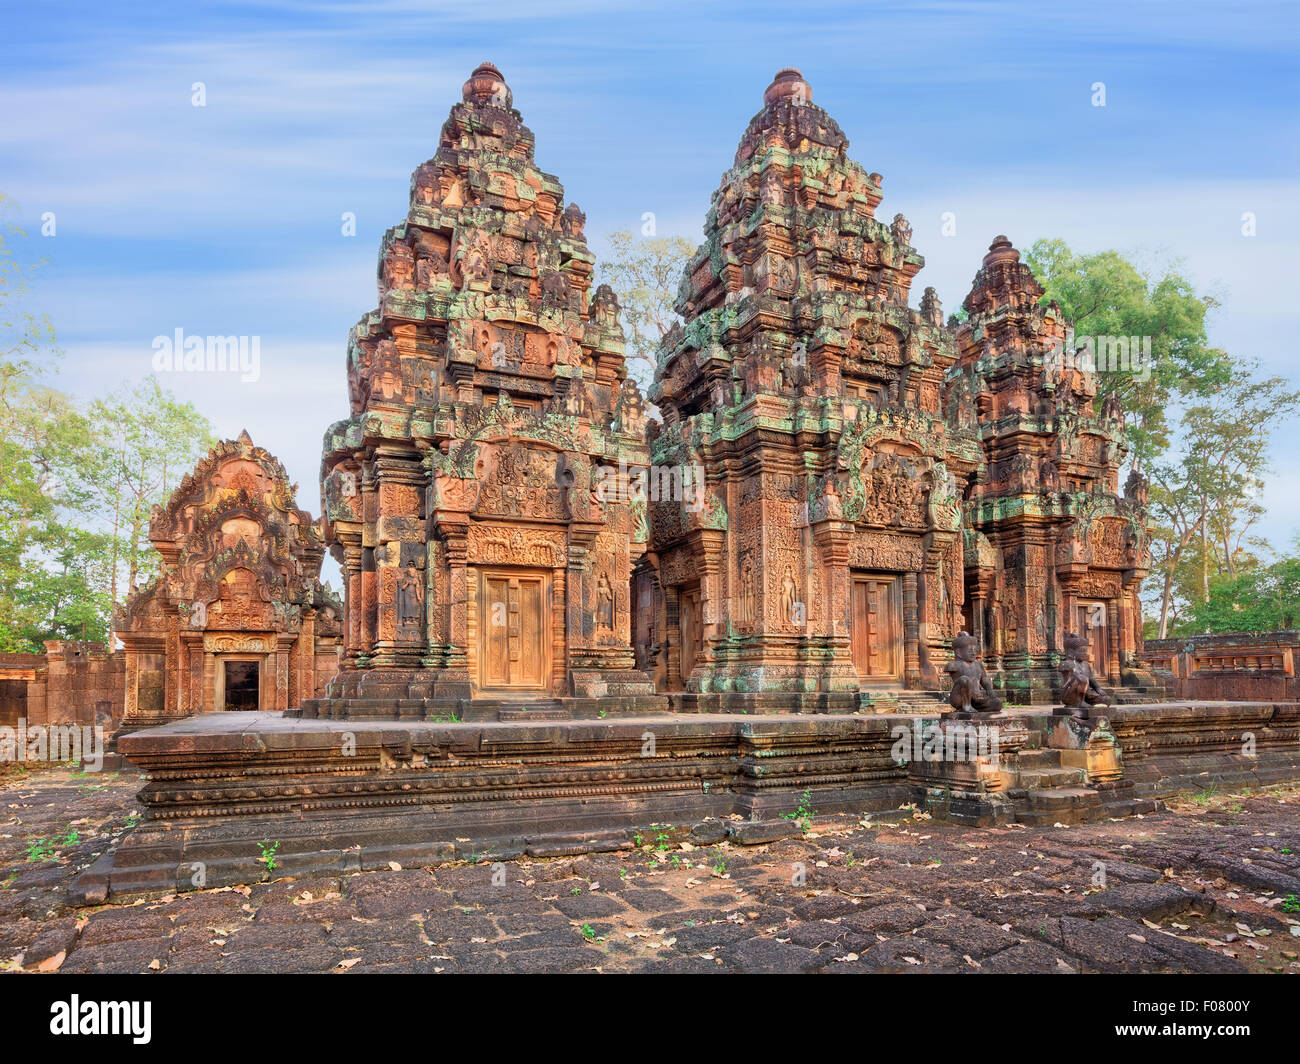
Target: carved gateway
{"x":238,"y":580}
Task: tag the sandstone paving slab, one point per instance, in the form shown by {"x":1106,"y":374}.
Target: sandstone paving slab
{"x":1186,"y":890}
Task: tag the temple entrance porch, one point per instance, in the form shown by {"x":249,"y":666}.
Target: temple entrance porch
{"x":238,"y":683}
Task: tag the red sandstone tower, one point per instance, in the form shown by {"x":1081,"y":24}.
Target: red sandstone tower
{"x":486,"y":552}
{"x":1051,"y":547}
{"x":823,"y":559}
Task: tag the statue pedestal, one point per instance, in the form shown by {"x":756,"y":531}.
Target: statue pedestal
{"x":961,"y":769}
{"x":1089,"y":744}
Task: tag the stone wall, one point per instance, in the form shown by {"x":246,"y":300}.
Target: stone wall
{"x":72,"y":682}
{"x":1232,"y":665}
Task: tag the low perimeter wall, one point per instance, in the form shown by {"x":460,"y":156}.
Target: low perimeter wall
{"x":1246,"y":666}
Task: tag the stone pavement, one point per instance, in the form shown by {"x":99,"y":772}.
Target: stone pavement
{"x":1212,"y":885}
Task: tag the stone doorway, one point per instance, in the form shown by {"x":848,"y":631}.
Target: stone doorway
{"x":13,"y":702}
{"x":514,"y":632}
{"x":876,"y":628}
{"x":242,"y":685}
{"x":691,"y":618}
{"x":1091,"y":623}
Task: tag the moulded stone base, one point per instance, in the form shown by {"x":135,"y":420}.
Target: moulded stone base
{"x":963,"y":767}
{"x":765,"y":702}
{"x":360,"y":792}
{"x":369,"y":791}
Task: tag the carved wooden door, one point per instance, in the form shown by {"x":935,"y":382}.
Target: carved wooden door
{"x":692,"y":630}
{"x":514,"y":631}
{"x":876,"y":627}
{"x":1091,"y":624}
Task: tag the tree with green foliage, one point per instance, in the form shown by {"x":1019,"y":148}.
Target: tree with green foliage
{"x":1103,"y":294}
{"x":150,"y":440}
{"x":1199,"y":423}
{"x":48,"y":566}
{"x":1262,"y":599}
{"x":645,"y":272}
{"x":1205,"y":504}
{"x":76,"y":484}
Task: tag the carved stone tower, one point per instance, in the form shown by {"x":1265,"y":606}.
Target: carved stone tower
{"x":1051,"y":547}
{"x":820,"y":556}
{"x":485,"y":544}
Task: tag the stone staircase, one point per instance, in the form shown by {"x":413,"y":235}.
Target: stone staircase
{"x":1045,"y":792}
{"x":902,"y":700}
{"x":1144,"y":685}
{"x":518,"y":711}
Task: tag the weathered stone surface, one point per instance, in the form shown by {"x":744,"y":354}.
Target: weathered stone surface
{"x":758,"y":832}
{"x":237,"y":618}
{"x":765,"y":955}
{"x":896,"y":916}
{"x":918,"y":889}
{"x":482,"y":495}
{"x":1153,"y":901}
{"x":968,"y":935}
{"x":1030,"y":958}
{"x":909,"y":954}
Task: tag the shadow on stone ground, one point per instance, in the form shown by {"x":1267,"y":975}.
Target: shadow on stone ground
{"x":1212,"y":885}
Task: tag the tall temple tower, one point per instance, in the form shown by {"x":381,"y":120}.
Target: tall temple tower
{"x":485,"y":552}
{"x":822,"y":557}
{"x":1051,"y":547}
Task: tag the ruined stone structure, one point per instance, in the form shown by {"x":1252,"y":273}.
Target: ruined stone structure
{"x":72,"y":682}
{"x":237,"y":617}
{"x":1050,"y":546}
{"x":823,"y":556}
{"x":1259,"y":665}
{"x":486,"y":549}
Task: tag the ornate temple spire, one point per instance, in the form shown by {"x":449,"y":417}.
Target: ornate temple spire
{"x":797,"y":284}
{"x":809,"y":392}
{"x":788,"y":84}
{"x":790,"y":119}
{"x":488,"y":392}
{"x":1002,"y":281}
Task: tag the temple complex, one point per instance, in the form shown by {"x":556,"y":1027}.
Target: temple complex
{"x":824,"y":556}
{"x":237,"y":617}
{"x":1050,"y":546}
{"x":473,"y":495}
{"x":565,"y":622}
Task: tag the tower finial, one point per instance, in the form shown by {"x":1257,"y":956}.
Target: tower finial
{"x":788,"y":85}
{"x":486,"y":85}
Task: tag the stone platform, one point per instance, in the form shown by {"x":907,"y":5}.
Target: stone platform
{"x":334,"y":796}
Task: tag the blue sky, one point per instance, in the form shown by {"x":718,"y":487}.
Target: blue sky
{"x":226,"y":219}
